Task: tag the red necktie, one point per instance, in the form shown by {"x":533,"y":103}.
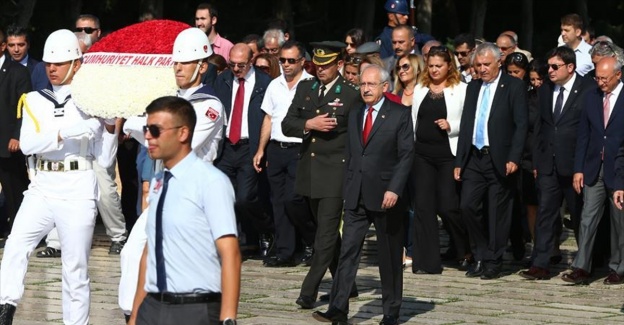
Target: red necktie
{"x":237,"y":113}
{"x":606,"y":108}
{"x":368,"y":125}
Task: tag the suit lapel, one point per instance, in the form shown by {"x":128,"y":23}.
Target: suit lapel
{"x":617,"y":108}
{"x":571,"y":97}
{"x":4,"y":69}
{"x":360,"y":123}
{"x":550,"y":95}
{"x":379,"y":120}
{"x":502,"y":83}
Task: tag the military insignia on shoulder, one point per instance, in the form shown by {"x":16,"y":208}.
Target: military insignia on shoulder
{"x":315,"y":85}
{"x":352,"y":85}
{"x":338,"y":89}
{"x":212,"y":114}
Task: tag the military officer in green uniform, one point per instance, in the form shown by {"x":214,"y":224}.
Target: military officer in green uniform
{"x":318,"y":114}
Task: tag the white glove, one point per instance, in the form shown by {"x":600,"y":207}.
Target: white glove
{"x":90,"y":126}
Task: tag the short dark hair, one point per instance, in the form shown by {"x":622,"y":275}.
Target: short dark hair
{"x":357,"y":36}
{"x":292,"y":43}
{"x":212,"y":10}
{"x":93,"y":18}
{"x":15,"y":30}
{"x":565,"y":53}
{"x":573,"y":20}
{"x":464,"y":38}
{"x":180,"y":108}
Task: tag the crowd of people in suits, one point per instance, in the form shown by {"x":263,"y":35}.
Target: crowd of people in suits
{"x":403,"y":132}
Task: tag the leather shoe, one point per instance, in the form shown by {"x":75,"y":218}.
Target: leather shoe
{"x":613,"y":278}
{"x":388,"y":320}
{"x":475,"y":270}
{"x":305,"y":302}
{"x":326,"y":296}
{"x":465,"y":264}
{"x":491,"y":273}
{"x":554,"y":260}
{"x":116,"y":247}
{"x":577,"y":276}
{"x":308,"y":253}
{"x":266,"y":244}
{"x":279,"y":262}
{"x":331,"y":315}
{"x":535,"y":273}
{"x":6,"y":314}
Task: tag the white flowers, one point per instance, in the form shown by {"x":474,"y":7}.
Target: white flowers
{"x":120,"y":90}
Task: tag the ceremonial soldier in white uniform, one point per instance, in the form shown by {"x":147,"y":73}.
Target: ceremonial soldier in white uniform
{"x":190,"y":51}
{"x":64,"y":190}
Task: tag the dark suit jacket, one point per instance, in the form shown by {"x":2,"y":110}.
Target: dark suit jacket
{"x":14,"y":81}
{"x":255,"y":115}
{"x":31,"y":64}
{"x":593,"y":137}
{"x":507,"y":124}
{"x":320,"y":170}
{"x":384,"y":163}
{"x":558,"y":138}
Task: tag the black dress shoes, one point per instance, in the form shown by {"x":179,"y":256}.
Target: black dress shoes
{"x":325,"y":297}
{"x":308,"y":253}
{"x":577,"y":276}
{"x":331,"y":315}
{"x":279,"y":262}
{"x":535,"y":273}
{"x":266,"y":244}
{"x":389,"y":320}
{"x":491,"y":273}
{"x":305,"y":302}
{"x":476,"y":270}
{"x":6,"y":314}
{"x":465,"y":264}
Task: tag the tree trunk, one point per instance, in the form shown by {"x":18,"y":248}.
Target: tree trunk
{"x":452,"y":18}
{"x":477,"y":20}
{"x":526,"y":36}
{"x":282,"y":9}
{"x":581,"y":10}
{"x":423,"y":17}
{"x":365,"y":17}
{"x":27,"y":8}
{"x":154,"y":7}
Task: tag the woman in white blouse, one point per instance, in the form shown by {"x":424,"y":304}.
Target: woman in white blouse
{"x":436,"y":112}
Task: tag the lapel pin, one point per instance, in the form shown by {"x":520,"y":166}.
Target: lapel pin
{"x":575,"y":91}
{"x":318,"y":111}
{"x":502,"y":85}
{"x":383,"y":116}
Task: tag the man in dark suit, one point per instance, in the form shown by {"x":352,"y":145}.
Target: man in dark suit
{"x":492,"y":133}
{"x":380,"y":151}
{"x":600,"y":134}
{"x":18,"y":44}
{"x":560,"y":105}
{"x":14,"y":81}
{"x":241,"y":138}
{"x":318,"y":114}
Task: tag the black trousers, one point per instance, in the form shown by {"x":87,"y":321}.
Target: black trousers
{"x":553,"y":189}
{"x":14,"y":180}
{"x":126,"y":164}
{"x":435,"y":193}
{"x":288,"y":207}
{"x":154,"y":312}
{"x":327,"y":212}
{"x":236,"y":162}
{"x":484,"y":187}
{"x":390,"y":236}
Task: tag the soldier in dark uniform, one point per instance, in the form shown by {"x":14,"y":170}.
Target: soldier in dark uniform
{"x":318,"y":114}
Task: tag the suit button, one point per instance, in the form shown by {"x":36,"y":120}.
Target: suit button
{"x":605,"y":137}
{"x":313,"y":139}
{"x":312,"y":154}
{"x":318,"y":111}
{"x":343,"y":160}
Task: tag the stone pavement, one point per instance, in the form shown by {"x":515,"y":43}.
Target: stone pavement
{"x":268,"y":295}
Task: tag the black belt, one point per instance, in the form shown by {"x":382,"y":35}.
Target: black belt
{"x":186,"y":298}
{"x":483,"y":151}
{"x":285,"y":145}
{"x":239,"y":143}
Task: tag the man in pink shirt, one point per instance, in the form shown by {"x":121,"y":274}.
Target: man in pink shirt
{"x":206,"y":19}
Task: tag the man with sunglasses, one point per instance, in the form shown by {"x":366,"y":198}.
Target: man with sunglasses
{"x":506,"y":44}
{"x":190,"y":51}
{"x":241,"y":89}
{"x":560,"y":103}
{"x":318,"y":115}
{"x":90,"y":25}
{"x":290,"y":210}
{"x":600,"y":135}
{"x":464,"y":46}
{"x":64,"y":191}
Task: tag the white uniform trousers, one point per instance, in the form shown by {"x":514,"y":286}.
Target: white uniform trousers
{"x":74,"y":220}
{"x":109,"y":206}
{"x":130,"y":258}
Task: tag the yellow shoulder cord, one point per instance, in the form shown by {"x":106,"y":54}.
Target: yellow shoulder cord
{"x":23,"y":103}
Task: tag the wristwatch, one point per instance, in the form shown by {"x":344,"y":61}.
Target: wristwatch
{"x":228,"y":321}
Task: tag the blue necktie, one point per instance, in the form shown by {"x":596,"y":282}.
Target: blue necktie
{"x":482,"y":118}
{"x":161,"y":276}
{"x":558,"y":104}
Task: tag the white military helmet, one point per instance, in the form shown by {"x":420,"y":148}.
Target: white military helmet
{"x":61,"y":46}
{"x":190,"y":45}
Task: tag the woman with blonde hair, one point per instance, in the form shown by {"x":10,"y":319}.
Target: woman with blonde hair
{"x":407,"y":72}
{"x":437,"y":107}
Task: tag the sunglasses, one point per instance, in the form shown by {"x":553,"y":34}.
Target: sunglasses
{"x":504,"y":49}
{"x":289,"y":60}
{"x":156,"y":130}
{"x":354,"y":59}
{"x":232,"y":65}
{"x":555,"y":67}
{"x":264,"y":68}
{"x":462,"y":53}
{"x":87,"y":30}
{"x":404,"y":67}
